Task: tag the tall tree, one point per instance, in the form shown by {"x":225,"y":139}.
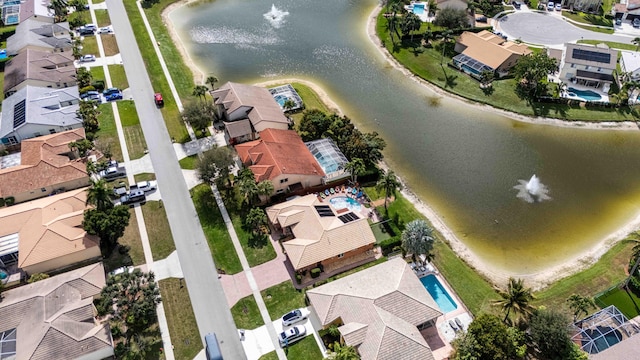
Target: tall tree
{"x":636,"y":42}
{"x":211,"y":80}
{"x":199,"y":116}
{"x":255,"y":220}
{"x":82,"y":146}
{"x":249,"y":189}
{"x":84,"y":77}
{"x":410,"y":23}
{"x":343,"y":352}
{"x":530,"y":72}
{"x":516,"y":298}
{"x":215,"y":164}
{"x":580,"y":305}
{"x":60,"y":10}
{"x":452,"y":18}
{"x":389,"y":184}
{"x":417,"y":238}
{"x":109,"y":225}
{"x":289,"y":104}
{"x":487,"y":338}
{"x":98,"y":195}
{"x":265,"y":188}
{"x":200,"y":91}
{"x":355,"y":167}
{"x":432,"y":7}
{"x":550,"y":332}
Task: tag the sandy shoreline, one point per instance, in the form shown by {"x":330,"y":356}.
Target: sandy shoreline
{"x":536,"y":280}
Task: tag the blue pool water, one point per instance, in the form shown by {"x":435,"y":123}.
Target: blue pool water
{"x":418,"y":9}
{"x":587,"y":95}
{"x":438,"y":293}
{"x":342,"y":202}
{"x":280,"y":99}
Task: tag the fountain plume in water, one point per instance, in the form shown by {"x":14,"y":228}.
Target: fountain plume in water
{"x":276,"y":16}
{"x":532,"y":191}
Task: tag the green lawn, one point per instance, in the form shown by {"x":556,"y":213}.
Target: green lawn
{"x":130,"y":239}
{"x":107,"y":136}
{"x":97,"y":72}
{"x":306,"y":349}
{"x":90,"y":46}
{"x":611,"y":44}
{"x":170,"y":111}
{"x":84,"y":16}
{"x":627,"y":302}
{"x":102,"y":17}
{"x":269,"y":356}
{"x":595,"y":29}
{"x":588,"y":19}
{"x":158,"y":229}
{"x":426,"y":64}
{"x":246,"y":314}
{"x":380,"y":232}
{"x":189,"y":163}
{"x":136,"y":143}
{"x":183,"y":329}
{"x":144,"y":177}
{"x":310,"y":99}
{"x":282,"y":298}
{"x":256,"y":255}
{"x":118,"y":77}
{"x":224,"y":254}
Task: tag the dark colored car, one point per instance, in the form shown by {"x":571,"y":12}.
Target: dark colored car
{"x":114,"y":96}
{"x":84,"y":31}
{"x":636,"y":23}
{"x":110,"y":91}
{"x":619,"y":21}
{"x":158,"y":99}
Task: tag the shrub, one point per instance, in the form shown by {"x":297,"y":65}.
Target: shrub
{"x":10,"y":201}
{"x":298,"y":278}
{"x":320,"y":283}
{"x":1,"y":202}
{"x":98,"y":85}
{"x":87,"y":88}
{"x":315,"y":272}
{"x":389,"y":244}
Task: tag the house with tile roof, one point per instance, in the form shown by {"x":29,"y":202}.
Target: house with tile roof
{"x":379,"y":311}
{"x":40,"y":35}
{"x":247,"y":110}
{"x":35,"y":111}
{"x":486,"y":51}
{"x":588,"y":65}
{"x":46,"y":235}
{"x":47,"y":164}
{"x":55,"y":318}
{"x":281,"y":157}
{"x":320,"y":234}
{"x":39,"y":68}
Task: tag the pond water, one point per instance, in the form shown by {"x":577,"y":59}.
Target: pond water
{"x":462,"y":161}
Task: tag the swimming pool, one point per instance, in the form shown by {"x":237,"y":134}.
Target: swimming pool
{"x":439,"y":293}
{"x":343,"y":202}
{"x":418,"y":9}
{"x":586,"y":95}
{"x":281,"y":99}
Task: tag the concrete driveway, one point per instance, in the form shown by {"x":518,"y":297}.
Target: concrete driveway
{"x":547,"y":28}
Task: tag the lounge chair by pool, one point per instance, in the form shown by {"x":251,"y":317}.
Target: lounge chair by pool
{"x":359,"y":194}
{"x":349,"y":190}
{"x":332,"y":191}
{"x":326,"y":192}
{"x":459,"y":323}
{"x":323,"y":195}
{"x":454,"y":326}
{"x":354,"y":191}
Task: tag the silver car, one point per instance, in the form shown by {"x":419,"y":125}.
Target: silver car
{"x":292,"y":335}
{"x":294,"y":316}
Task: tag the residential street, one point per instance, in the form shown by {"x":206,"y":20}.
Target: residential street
{"x":548,"y":28}
{"x":207,"y":296}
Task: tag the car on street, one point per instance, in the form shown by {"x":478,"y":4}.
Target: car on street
{"x":105,"y":30}
{"x":146,"y":186}
{"x":292,"y":335}
{"x":636,"y":23}
{"x":294,"y":316}
{"x":110,"y":91}
{"x":114,"y":96}
{"x":157,"y":97}
{"x":558,"y":7}
{"x":550,"y":6}
{"x":87,"y":58}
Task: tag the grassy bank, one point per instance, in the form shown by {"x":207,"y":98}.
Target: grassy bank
{"x":133,"y":135}
{"x":185,"y":336}
{"x":246,"y":314}
{"x":107,"y":136}
{"x":611,"y":44}
{"x":131,"y":240}
{"x":158,"y":229}
{"x":426,"y":63}
{"x":282,"y":298}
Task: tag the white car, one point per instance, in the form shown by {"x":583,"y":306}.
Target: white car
{"x":550,"y":6}
{"x":147,"y":185}
{"x":558,"y":7}
{"x":91,"y":27}
{"x":105,"y":30}
{"x":87,"y":58}
{"x":294,"y":316}
{"x":291,"y":335}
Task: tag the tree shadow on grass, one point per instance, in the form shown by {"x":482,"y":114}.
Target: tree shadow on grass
{"x":257,"y":241}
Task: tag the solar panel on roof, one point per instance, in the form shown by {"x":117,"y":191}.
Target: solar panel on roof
{"x":588,"y":55}
{"x":348,"y":217}
{"x":19,"y":113}
{"x":324,"y":210}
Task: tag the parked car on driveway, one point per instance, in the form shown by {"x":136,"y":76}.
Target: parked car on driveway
{"x":84,"y":31}
{"x":87,"y":58}
{"x":636,"y":23}
{"x":113,"y":172}
{"x":619,"y":21}
{"x":550,"y":6}
{"x":133,"y":197}
{"x":294,"y":316}
{"x":110,"y":91}
{"x":105,"y":30}
{"x":114,"y":96}
{"x":558,"y":7}
{"x":146,"y":185}
{"x":91,"y":27}
{"x":292,"y":335}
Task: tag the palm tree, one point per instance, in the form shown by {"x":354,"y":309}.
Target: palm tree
{"x":516,"y":298}
{"x":417,"y":238}
{"x":265,"y":188}
{"x":433,"y":7}
{"x":636,"y":42}
{"x":580,"y":305}
{"x":211,"y":80}
{"x":200,"y":91}
{"x":412,"y":23}
{"x":355,"y":167}
{"x":98,"y":195}
{"x":255,"y":220}
{"x":343,"y":352}
{"x":388,"y":183}
{"x":59,"y":8}
{"x":289,"y":104}
{"x":249,"y":189}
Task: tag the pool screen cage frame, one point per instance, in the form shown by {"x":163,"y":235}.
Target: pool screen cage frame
{"x":594,"y":332}
{"x":327,"y":149}
{"x":461,"y":59}
{"x":288,"y":91}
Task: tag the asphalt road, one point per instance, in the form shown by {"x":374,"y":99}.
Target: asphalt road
{"x":546,"y":28}
{"x":205,"y":290}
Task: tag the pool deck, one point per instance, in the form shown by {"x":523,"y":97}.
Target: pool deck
{"x":440,"y":337}
{"x":365,"y":212}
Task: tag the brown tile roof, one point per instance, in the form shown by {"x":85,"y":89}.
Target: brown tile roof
{"x":48,"y":228}
{"x":380,"y":307}
{"x":54,"y":318}
{"x":490,"y":49}
{"x":317,"y":238}
{"x":40,"y":65}
{"x":252,"y":102}
{"x":43,"y":163}
{"x":278,"y":152}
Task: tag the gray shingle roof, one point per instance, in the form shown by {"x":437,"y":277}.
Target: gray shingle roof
{"x":32,"y":32}
{"x":56,"y":68}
